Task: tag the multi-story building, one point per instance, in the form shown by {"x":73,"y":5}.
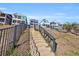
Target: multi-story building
{"x":5,"y":18}
{"x":19,"y":19}
{"x":33,"y":22}
{"x":9,"y":19}
{"x":53,"y":25}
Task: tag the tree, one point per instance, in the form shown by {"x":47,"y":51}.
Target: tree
{"x":44,"y":22}
{"x":74,"y":26}
{"x":67,"y":26}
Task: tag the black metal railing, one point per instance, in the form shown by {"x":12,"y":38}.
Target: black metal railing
{"x":49,"y":38}
{"x":9,"y":37}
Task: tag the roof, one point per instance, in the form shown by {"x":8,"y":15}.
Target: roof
{"x":18,"y":14}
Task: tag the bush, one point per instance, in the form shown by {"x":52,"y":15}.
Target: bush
{"x":69,"y":26}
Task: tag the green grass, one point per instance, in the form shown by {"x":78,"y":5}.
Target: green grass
{"x":72,"y":53}
{"x":28,"y":53}
{"x":67,"y":41}
{"x":9,"y":52}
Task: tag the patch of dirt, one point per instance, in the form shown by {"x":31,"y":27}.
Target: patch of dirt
{"x":5,"y":26}
{"x":66,"y":42}
{"x":23,"y":45}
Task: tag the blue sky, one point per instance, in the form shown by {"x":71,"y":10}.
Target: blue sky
{"x":51,"y":11}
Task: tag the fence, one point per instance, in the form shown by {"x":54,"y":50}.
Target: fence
{"x":9,"y":37}
{"x":49,"y":38}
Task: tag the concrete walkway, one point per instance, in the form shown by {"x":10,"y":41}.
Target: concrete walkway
{"x":41,"y":44}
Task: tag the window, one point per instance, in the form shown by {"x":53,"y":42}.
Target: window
{"x":2,"y":19}
{"x":19,"y":17}
{"x":9,"y":16}
{"x":14,"y":21}
{"x":18,"y":21}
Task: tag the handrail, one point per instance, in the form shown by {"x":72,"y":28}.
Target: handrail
{"x":51,"y":39}
{"x":48,"y":34}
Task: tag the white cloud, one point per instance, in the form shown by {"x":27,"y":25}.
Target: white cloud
{"x":72,"y":17}
{"x":1,"y":8}
{"x":39,"y":17}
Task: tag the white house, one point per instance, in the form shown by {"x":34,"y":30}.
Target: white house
{"x":57,"y":26}
{"x":45,"y":23}
{"x":19,"y":19}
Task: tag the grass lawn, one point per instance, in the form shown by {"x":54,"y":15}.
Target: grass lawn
{"x":5,"y":26}
{"x":23,"y":45}
{"x":67,"y":43}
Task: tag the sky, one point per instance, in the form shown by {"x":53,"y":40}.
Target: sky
{"x":58,"y":12}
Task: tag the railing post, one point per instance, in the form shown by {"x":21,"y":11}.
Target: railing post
{"x":39,"y":29}
{"x":2,"y":43}
{"x":14,"y":38}
{"x":53,"y":45}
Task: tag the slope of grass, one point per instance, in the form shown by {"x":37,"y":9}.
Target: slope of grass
{"x":5,"y":26}
{"x":67,"y":43}
{"x":23,"y":45}
{"x":72,"y":53}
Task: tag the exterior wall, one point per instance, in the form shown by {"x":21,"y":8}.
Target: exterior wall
{"x":16,"y":21}
{"x":2,"y":18}
{"x":24,"y":19}
{"x":8,"y":19}
{"x":19,"y":19}
{"x":12,"y":19}
{"x":33,"y":22}
{"x":5,"y":18}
